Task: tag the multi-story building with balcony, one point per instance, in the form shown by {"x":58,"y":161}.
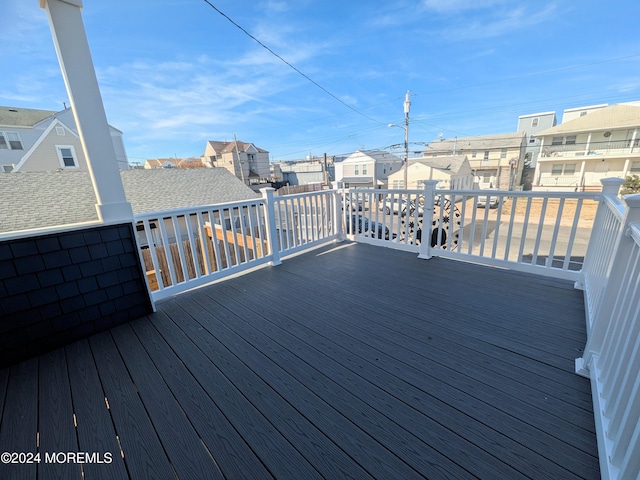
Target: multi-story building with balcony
{"x":496,"y":160}
{"x":577,"y":154}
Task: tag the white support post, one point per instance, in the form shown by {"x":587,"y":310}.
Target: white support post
{"x":69,"y":38}
{"x":272,"y":231}
{"x":338,"y":216}
{"x":427,"y":218}
{"x":601,"y":322}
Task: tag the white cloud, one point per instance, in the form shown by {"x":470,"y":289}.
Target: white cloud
{"x":449,"y":6}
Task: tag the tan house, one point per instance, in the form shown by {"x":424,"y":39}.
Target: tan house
{"x":190,"y":162}
{"x":453,"y":172}
{"x":45,"y":140}
{"x":577,"y":154}
{"x":246,"y":161}
{"x":496,"y":160}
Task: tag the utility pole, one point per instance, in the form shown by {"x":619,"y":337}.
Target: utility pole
{"x":239,"y":161}
{"x":407,"y":107}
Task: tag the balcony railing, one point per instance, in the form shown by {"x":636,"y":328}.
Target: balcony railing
{"x":540,"y":232}
{"x":594,"y":148}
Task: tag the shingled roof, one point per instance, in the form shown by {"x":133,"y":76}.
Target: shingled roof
{"x":22,"y":117}
{"x":46,"y":199}
{"x":613,"y":117}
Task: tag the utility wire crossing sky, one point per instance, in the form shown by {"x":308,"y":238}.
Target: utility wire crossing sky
{"x":309,"y":77}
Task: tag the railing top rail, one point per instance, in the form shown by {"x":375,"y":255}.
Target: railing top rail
{"x":518,"y":193}
{"x":634,"y":232}
{"x":616,"y":205}
{"x":197,"y":208}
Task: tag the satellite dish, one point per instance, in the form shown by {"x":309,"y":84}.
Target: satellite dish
{"x":607,"y":134}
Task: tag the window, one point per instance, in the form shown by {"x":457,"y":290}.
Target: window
{"x":474,"y":153}
{"x":10,"y":141}
{"x":486,"y":155}
{"x":532,"y":139}
{"x":570,"y":140}
{"x":556,"y":141}
{"x":563,"y":169}
{"x":534,"y":122}
{"x":356,"y":170}
{"x":67,"y":156}
{"x":364,"y":169}
{"x":503,"y":153}
{"x":582,"y":114}
{"x":60,"y":131}
{"x":635,"y":167}
{"x":398,"y":184}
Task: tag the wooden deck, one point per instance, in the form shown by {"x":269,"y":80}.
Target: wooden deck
{"x":351,"y":361}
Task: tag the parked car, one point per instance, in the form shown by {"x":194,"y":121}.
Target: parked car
{"x":352,"y":203}
{"x":492,"y":200}
{"x":399,"y":206}
{"x":361,"y":224}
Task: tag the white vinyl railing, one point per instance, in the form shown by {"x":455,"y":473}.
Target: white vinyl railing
{"x":541,"y":232}
{"x":606,"y":234}
{"x":611,"y":356}
{"x":305,"y":220}
{"x":185,"y":248}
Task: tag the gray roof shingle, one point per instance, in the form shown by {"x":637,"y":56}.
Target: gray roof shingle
{"x":45,"y":199}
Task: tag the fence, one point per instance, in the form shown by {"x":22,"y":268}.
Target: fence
{"x":540,"y":232}
{"x":185,"y":248}
{"x":612,"y":354}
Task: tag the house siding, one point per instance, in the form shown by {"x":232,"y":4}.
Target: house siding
{"x":62,"y":287}
{"x":45,"y":156}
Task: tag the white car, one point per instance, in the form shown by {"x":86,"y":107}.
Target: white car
{"x":492,"y":200}
{"x":399,"y":206}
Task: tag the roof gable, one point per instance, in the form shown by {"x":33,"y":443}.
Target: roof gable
{"x":608,"y":118}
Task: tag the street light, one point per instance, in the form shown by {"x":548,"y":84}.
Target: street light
{"x":407,"y":107}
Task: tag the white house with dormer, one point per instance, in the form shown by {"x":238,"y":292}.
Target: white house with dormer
{"x":44,"y":140}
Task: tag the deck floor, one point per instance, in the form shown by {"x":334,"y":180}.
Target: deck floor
{"x":351,"y":361}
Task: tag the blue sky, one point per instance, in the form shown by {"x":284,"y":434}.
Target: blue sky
{"x":176,"y":73}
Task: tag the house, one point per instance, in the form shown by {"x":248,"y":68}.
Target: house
{"x":454,"y":172}
{"x":244,"y":160}
{"x":190,"y":162}
{"x":366,"y":169}
{"x":530,"y":125}
{"x":45,"y":140}
{"x":496,"y":160}
{"x":578,"y":153}
{"x":45,"y":199}
{"x":313,"y":170}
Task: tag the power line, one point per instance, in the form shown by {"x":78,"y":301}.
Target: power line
{"x":290,"y":65}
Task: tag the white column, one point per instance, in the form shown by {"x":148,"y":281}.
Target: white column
{"x":69,"y":38}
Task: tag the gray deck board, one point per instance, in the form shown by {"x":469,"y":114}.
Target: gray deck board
{"x":351,"y":361}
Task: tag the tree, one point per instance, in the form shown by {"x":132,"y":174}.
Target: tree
{"x":631,"y":185}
